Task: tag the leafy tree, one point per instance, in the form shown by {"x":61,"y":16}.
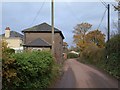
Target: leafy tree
{"x":4,"y":45}
{"x":73,"y":48}
{"x":65,"y":46}
{"x":0,"y":49}
{"x":80,"y":31}
{"x":96,"y":37}
{"x":8,"y":71}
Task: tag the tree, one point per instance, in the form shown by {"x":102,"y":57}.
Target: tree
{"x":73,"y":48}
{"x":65,"y":46}
{"x":4,"y":45}
{"x":80,"y":31}
{"x":8,"y":71}
{"x":96,"y":37}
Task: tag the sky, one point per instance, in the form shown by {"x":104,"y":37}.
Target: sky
{"x":21,"y":15}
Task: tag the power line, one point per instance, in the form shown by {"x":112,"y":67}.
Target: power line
{"x":71,"y":11}
{"x":102,"y":18}
{"x":38,"y":13}
{"x":104,"y":3}
{"x":108,"y":8}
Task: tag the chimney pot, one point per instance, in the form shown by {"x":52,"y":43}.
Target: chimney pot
{"x":7,"y":28}
{"x":7,"y":32}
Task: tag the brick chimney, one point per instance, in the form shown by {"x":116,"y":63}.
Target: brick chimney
{"x":7,"y":32}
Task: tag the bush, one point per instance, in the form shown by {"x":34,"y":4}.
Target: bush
{"x":113,"y":54}
{"x":113,"y":46}
{"x":8,"y":70}
{"x":107,"y":58}
{"x":10,"y":51}
{"x":92,"y":54}
{"x":72,"y":55}
{"x":34,"y":70}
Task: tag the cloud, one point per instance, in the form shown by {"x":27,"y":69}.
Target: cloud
{"x":67,"y":14}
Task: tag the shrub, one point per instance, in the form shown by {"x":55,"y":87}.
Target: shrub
{"x":92,"y":54}
{"x":113,"y":46}
{"x":72,"y":55}
{"x":34,"y":70}
{"x":10,"y":51}
{"x":107,"y":58}
{"x":113,"y":54}
{"x":8,"y":71}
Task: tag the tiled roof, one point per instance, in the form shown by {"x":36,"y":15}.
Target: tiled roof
{"x":44,"y":27}
{"x":13,"y":34}
{"x":41,"y":27}
{"x":38,"y":43}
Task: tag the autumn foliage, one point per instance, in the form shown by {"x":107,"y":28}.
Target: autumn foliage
{"x":7,"y":62}
{"x":8,"y":71}
{"x":83,"y":37}
{"x":80,"y":32}
{"x":94,"y":49}
{"x":96,"y":37}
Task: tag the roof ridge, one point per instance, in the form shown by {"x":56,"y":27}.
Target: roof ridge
{"x":13,"y":34}
{"x":41,"y":27}
{"x":16,"y":32}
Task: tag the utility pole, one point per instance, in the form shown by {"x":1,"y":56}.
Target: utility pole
{"x":108,"y":21}
{"x":52,"y":21}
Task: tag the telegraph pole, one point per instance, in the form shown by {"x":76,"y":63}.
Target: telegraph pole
{"x":52,"y":21}
{"x":108,"y":21}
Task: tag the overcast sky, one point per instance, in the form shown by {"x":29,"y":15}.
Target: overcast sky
{"x":20,"y":15}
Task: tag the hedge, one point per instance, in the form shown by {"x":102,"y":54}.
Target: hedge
{"x":113,"y":56}
{"x":34,"y":71}
{"x":72,"y":55}
{"x":107,"y":58}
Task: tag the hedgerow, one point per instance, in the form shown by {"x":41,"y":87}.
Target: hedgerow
{"x":113,"y":56}
{"x":72,"y":55}
{"x":34,"y":70}
{"x":107,"y":58}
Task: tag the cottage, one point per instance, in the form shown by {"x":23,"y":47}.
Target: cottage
{"x":14,"y":39}
{"x":39,"y":37}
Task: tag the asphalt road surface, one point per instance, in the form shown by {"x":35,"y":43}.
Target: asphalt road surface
{"x":78,"y":75}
